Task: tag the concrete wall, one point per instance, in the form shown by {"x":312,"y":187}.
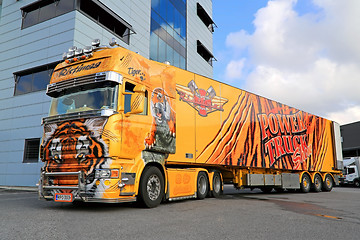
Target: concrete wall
{"x":198,"y":31}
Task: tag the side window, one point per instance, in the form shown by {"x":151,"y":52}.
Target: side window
{"x":129,"y":90}
{"x":351,"y":170}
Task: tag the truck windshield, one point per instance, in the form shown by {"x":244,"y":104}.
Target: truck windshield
{"x":92,"y":99}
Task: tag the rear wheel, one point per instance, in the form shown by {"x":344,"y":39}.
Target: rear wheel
{"x":328,"y":183}
{"x":202,"y":185}
{"x":217,"y":185}
{"x":151,"y":189}
{"x":317,"y":186}
{"x":305,"y":183}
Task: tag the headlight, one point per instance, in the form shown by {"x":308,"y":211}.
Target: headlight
{"x":106,"y":173}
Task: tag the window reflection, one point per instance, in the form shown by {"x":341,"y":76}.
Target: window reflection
{"x":168,"y":23}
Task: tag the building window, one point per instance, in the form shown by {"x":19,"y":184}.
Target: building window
{"x":102,"y":15}
{"x":34,"y":79}
{"x":168,"y":32}
{"x":41,"y":11}
{"x":31,"y":151}
{"x":205,"y":18}
{"x":205,"y":53}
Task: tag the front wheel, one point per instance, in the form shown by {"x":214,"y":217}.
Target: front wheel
{"x":328,"y":183}
{"x":151,"y":189}
{"x":357,"y":183}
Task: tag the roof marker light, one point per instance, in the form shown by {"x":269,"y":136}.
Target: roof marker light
{"x":95,"y":43}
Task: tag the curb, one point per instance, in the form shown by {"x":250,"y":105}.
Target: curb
{"x":17,"y":188}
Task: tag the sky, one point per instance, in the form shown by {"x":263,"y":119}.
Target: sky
{"x":303,"y":53}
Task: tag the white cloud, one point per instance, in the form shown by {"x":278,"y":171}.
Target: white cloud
{"x":234,"y":69}
{"x":311,"y":61}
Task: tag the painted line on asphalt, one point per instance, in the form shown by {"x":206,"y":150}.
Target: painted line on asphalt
{"x":328,"y":216}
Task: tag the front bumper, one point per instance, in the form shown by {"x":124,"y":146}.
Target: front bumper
{"x":47,"y":190}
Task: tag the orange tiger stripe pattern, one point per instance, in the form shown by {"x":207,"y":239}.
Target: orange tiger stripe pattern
{"x":262,"y":133}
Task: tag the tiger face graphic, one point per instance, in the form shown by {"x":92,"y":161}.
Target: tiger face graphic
{"x":73,"y":146}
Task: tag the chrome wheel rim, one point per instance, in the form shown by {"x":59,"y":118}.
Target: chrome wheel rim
{"x":202,"y":185}
{"x":217,"y":184}
{"x":153,"y":187}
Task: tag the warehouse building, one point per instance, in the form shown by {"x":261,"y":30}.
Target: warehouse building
{"x":35,"y":34}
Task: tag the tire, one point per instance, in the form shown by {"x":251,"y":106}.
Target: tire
{"x":151,"y":189}
{"x":328,"y":183}
{"x":317,"y":185}
{"x":217,"y":185}
{"x":305,"y":183}
{"x":202,"y":185}
{"x":357,"y":183}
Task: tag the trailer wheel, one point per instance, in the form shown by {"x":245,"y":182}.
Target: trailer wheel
{"x":317,"y":186}
{"x":328,"y":183}
{"x":151,"y":190}
{"x":305,"y":183}
{"x":202,"y":185}
{"x":357,"y":183}
{"x":217,"y":185}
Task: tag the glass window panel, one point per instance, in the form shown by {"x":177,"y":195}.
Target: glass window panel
{"x":183,"y":27}
{"x":154,"y":39}
{"x":176,"y":59}
{"x":31,"y":18}
{"x":177,"y":21}
{"x":41,"y":79}
{"x":31,"y":151}
{"x":182,"y":63}
{"x":170,"y":14}
{"x":169,"y":54}
{"x":163,"y":8}
{"x":47,"y":12}
{"x":155,"y":4}
{"x":170,"y":40}
{"x":156,"y":17}
{"x":24,"y":84}
{"x":177,"y":37}
{"x":64,"y":6}
{"x":162,"y":51}
{"x":183,"y":42}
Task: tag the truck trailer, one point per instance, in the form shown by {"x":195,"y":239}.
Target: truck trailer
{"x":124,"y":128}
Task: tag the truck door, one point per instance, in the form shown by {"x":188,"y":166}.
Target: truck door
{"x":351,"y":173}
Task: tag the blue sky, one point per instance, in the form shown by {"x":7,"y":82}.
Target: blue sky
{"x":303,"y":53}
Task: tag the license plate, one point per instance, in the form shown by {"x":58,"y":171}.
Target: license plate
{"x":63,"y":197}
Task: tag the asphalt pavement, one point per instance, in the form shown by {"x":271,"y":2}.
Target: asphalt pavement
{"x":238,"y":214}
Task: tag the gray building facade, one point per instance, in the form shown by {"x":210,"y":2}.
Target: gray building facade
{"x":35,"y":34}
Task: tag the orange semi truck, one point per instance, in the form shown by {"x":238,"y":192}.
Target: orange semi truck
{"x":123,"y":128}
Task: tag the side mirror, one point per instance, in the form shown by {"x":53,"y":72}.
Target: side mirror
{"x":138,"y":99}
